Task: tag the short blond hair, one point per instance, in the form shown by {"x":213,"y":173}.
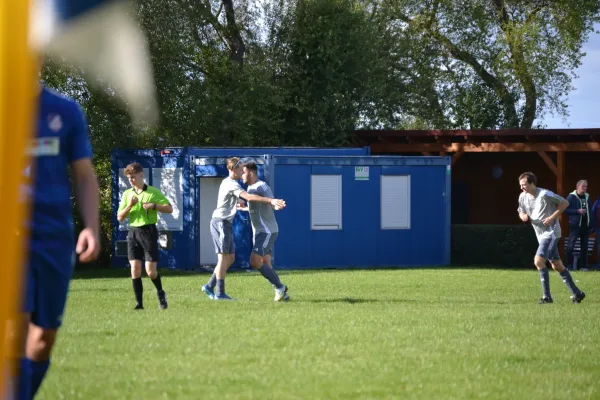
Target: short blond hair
{"x":232,"y":163}
{"x":133,"y":169}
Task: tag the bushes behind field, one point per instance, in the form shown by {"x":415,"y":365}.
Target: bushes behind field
{"x":494,"y":245}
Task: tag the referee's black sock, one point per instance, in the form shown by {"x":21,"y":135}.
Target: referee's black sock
{"x":157,"y":283}
{"x":138,"y":290}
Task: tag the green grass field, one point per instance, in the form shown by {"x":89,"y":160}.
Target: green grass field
{"x":405,"y":334}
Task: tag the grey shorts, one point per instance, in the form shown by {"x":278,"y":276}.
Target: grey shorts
{"x":548,"y":249}
{"x":222,"y":234}
{"x":262,"y":243}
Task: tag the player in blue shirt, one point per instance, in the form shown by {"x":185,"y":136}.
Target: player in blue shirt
{"x":60,"y":141}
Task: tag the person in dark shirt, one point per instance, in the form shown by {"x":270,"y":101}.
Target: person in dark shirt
{"x":579,"y":223}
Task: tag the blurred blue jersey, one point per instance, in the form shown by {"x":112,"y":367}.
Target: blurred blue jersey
{"x":61,"y":137}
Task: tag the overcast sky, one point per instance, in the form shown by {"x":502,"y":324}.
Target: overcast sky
{"x":584,"y":101}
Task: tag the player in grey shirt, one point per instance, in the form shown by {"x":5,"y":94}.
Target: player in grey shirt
{"x":221,"y":230}
{"x":264,"y":229}
{"x":543,"y":209}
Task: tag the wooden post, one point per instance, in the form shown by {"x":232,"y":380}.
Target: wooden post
{"x":456,"y":156}
{"x":560,"y":190}
{"x":560,"y":176}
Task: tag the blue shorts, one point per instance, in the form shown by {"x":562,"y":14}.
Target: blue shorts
{"x":548,"y":249}
{"x":47,"y":282}
{"x":222,"y":234}
{"x":263,"y":243}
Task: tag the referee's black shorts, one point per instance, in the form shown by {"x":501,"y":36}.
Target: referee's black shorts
{"x":142,"y":243}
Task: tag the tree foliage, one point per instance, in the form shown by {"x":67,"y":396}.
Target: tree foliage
{"x":493,"y":63}
{"x":310,"y":72}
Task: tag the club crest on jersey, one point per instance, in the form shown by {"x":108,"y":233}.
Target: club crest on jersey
{"x":55,"y":122}
{"x":44,"y":146}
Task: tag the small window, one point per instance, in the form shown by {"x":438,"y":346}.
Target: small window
{"x":170,"y":182}
{"x":326,"y":202}
{"x":395,"y":202}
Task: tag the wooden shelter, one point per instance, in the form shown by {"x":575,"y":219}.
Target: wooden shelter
{"x":487,"y":163}
{"x":458,"y":142}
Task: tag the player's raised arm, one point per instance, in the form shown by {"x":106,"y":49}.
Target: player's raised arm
{"x":278,"y":204}
{"x":159,"y":203}
{"x":126,"y":206}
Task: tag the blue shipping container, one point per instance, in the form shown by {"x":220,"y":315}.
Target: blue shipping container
{"x":345,"y":208}
{"x":190,"y":177}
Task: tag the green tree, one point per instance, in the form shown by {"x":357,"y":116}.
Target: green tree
{"x":335,"y":67}
{"x":310,"y":72}
{"x":491,"y":63}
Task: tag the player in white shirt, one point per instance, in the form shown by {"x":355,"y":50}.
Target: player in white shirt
{"x":543,"y":208}
{"x":264,"y":230}
{"x":221,"y":230}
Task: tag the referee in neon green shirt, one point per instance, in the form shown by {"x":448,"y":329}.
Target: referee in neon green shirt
{"x":141,"y":203}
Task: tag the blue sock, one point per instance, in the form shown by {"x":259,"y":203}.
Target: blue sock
{"x":212,"y":282}
{"x":568,"y":280}
{"x":545,"y":279}
{"x":220,"y":287}
{"x":38,"y":372}
{"x":270,"y":274}
{"x":24,"y":383}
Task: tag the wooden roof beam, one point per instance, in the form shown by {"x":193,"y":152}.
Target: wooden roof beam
{"x":583,"y":133}
{"x":549,"y":162}
{"x":483,"y":147}
{"x":456,"y":156}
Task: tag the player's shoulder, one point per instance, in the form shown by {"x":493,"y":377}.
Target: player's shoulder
{"x":549,"y":193}
{"x":61,"y":111}
{"x":262,"y":184}
{"x":228,"y":184}
{"x":126,"y":193}
{"x":259,"y":186}
{"x":53,"y":99}
{"x":153,"y":190}
{"x":256,"y":184}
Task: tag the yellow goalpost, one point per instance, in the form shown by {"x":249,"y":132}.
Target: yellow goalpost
{"x":17,"y":107}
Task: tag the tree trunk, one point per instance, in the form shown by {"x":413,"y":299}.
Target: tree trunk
{"x":234,"y":36}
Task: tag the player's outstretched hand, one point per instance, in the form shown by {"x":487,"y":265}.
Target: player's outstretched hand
{"x":88,"y":246}
{"x":278,"y":204}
